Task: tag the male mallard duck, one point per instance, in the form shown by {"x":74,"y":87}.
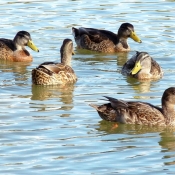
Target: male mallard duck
{"x":142,"y":67}
{"x":14,"y":50}
{"x":139,"y":112}
{"x":52,"y":73}
{"x":104,"y":40}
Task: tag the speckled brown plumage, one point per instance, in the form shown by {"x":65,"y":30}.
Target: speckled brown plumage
{"x":104,"y":40}
{"x":139,"y":112}
{"x":63,"y":74}
{"x":14,"y":50}
{"x":52,"y":73}
{"x":150,"y":69}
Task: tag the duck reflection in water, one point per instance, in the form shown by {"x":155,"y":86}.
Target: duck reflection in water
{"x":164,"y":135}
{"x":63,"y":94}
{"x":18,"y":72}
{"x":141,"y":86}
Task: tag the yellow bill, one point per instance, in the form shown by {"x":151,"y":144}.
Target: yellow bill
{"x":32,"y":46}
{"x":136,"y":68}
{"x":135,"y":37}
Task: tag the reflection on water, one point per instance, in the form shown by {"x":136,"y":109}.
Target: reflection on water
{"x":167,"y":136}
{"x":139,"y":86}
{"x":122,"y":58}
{"x":63,"y":93}
{"x":17,"y":69}
{"x":167,"y":144}
{"x":14,"y":67}
{"x":92,"y":56}
{"x":45,"y":92}
{"x":109,"y":127}
{"x":168,"y":140}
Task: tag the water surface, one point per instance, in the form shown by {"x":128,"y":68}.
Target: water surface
{"x":53,"y":130}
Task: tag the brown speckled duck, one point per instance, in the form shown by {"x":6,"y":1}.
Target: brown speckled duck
{"x":135,"y":112}
{"x":53,"y":73}
{"x":103,"y":40}
{"x":142,"y":67}
{"x":14,"y":50}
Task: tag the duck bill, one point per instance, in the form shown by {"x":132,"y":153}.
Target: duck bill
{"x":135,"y":37}
{"x":32,"y":46}
{"x":136,"y":68}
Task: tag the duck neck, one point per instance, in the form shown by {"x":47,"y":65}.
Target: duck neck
{"x":169,"y":113}
{"x":144,"y":73}
{"x":17,"y":46}
{"x":66,"y":59}
{"x":124,"y":42}
{"x":167,"y":108}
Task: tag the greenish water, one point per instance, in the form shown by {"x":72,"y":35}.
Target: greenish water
{"x":53,"y":130}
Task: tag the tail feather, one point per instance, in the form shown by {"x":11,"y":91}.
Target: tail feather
{"x":75,"y":32}
{"x":115,"y":103}
{"x":94,"y":106}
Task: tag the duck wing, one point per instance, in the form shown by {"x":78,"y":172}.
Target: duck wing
{"x":128,"y":66}
{"x":54,"y":67}
{"x":155,"y":68}
{"x":115,"y":103}
{"x":145,"y":114}
{"x":7,"y":44}
{"x":97,"y":35}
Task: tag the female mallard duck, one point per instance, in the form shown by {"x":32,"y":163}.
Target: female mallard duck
{"x":139,"y":112}
{"x":14,"y":50}
{"x":142,"y":67}
{"x":52,"y":73}
{"x":104,"y":40}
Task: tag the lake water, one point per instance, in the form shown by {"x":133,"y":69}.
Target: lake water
{"x":53,"y":130}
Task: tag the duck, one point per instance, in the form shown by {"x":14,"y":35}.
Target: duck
{"x":140,"y":113}
{"x":14,"y":50}
{"x":142,"y":67}
{"x":103,"y":40}
{"x":55,"y":73}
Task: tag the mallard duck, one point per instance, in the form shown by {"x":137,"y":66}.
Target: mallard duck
{"x":14,"y":50}
{"x":104,"y":40}
{"x":142,"y":67}
{"x":53,"y":73}
{"x":135,"y":112}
